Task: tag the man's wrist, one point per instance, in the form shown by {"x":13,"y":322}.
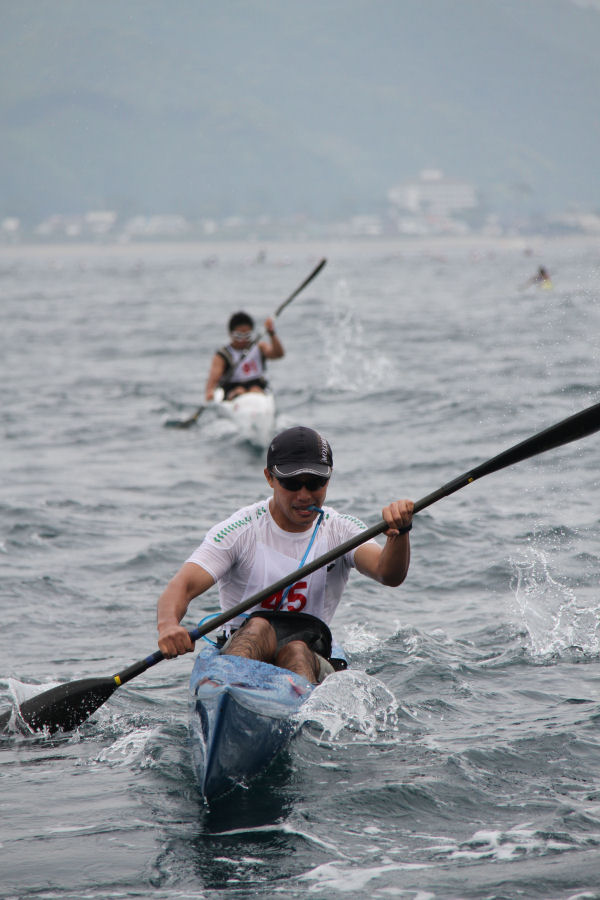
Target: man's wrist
{"x":402,"y":531}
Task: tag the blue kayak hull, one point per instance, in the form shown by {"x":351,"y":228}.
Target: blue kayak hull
{"x":241,"y":714}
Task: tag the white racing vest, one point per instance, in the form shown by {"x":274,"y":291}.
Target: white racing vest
{"x":245,"y":365}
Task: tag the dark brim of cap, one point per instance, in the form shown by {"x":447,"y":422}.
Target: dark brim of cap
{"x":288,"y":469}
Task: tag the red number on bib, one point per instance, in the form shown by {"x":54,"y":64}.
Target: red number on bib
{"x":295,"y":600}
{"x":273,"y":601}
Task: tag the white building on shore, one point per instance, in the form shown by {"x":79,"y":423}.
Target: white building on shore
{"x":433,"y":195}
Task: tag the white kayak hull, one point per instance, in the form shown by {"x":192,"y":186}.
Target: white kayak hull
{"x":253,"y":414}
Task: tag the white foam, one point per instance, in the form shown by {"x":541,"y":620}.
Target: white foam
{"x":343,"y":878}
{"x":500,"y":844}
{"x":282,"y":828}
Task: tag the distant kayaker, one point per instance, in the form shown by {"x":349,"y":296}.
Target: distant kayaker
{"x":262,"y":543}
{"x":541,"y":278}
{"x":240,"y":366}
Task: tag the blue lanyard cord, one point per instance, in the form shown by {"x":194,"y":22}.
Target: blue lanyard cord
{"x":212,"y":616}
{"x":201,"y":622}
{"x":288,"y":589}
{"x":306,"y":552}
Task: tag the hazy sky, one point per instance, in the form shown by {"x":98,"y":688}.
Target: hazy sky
{"x":309,"y":107}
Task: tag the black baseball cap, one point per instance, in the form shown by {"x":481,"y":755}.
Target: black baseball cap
{"x":299,"y":450}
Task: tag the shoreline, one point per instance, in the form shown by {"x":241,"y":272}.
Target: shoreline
{"x":287,"y":247}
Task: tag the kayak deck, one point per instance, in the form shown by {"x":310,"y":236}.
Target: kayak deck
{"x":253,"y":414}
{"x":241,"y":713}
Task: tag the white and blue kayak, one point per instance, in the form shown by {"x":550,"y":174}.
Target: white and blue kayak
{"x":241,"y":714}
{"x":252,"y":413}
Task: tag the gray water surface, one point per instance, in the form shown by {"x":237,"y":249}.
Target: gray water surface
{"x":459,"y":757}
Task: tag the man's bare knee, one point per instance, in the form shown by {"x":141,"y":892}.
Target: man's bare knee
{"x":298,"y":657}
{"x":254,"y":640}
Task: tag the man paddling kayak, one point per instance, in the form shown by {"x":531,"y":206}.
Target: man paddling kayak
{"x":67,"y":705}
{"x":261,"y":543}
{"x":240,"y":366}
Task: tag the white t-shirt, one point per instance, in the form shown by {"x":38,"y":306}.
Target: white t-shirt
{"x":248,"y":551}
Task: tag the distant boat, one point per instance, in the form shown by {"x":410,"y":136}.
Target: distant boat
{"x":253,"y":414}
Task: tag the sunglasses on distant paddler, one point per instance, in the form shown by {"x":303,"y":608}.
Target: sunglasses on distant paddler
{"x":242,"y":335}
{"x":310,"y":482}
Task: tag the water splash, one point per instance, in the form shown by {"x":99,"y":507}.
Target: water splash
{"x":21,"y":690}
{"x":552,"y":616}
{"x":346,"y":341}
{"x":356,"y":638}
{"x":129,"y":749}
{"x":351,"y":702}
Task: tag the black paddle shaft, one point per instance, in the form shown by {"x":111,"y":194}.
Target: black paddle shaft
{"x":286,"y":302}
{"x":300,"y":287}
{"x":68,"y":705}
{"x":573,"y":428}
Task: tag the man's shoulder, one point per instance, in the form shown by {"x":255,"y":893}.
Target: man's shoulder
{"x":333,"y":515}
{"x":238,"y":522}
{"x":226,"y":354}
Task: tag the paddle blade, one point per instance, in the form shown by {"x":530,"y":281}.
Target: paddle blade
{"x":64,"y":707}
{"x":179,"y":423}
{"x":184,"y":423}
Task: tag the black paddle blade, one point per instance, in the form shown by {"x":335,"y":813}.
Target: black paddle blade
{"x":184,"y":423}
{"x":64,"y":707}
{"x":179,"y":423}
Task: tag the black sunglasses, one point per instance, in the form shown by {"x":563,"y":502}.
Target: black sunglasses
{"x":310,"y":482}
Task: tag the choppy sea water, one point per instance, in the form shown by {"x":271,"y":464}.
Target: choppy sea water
{"x":459,"y":757}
